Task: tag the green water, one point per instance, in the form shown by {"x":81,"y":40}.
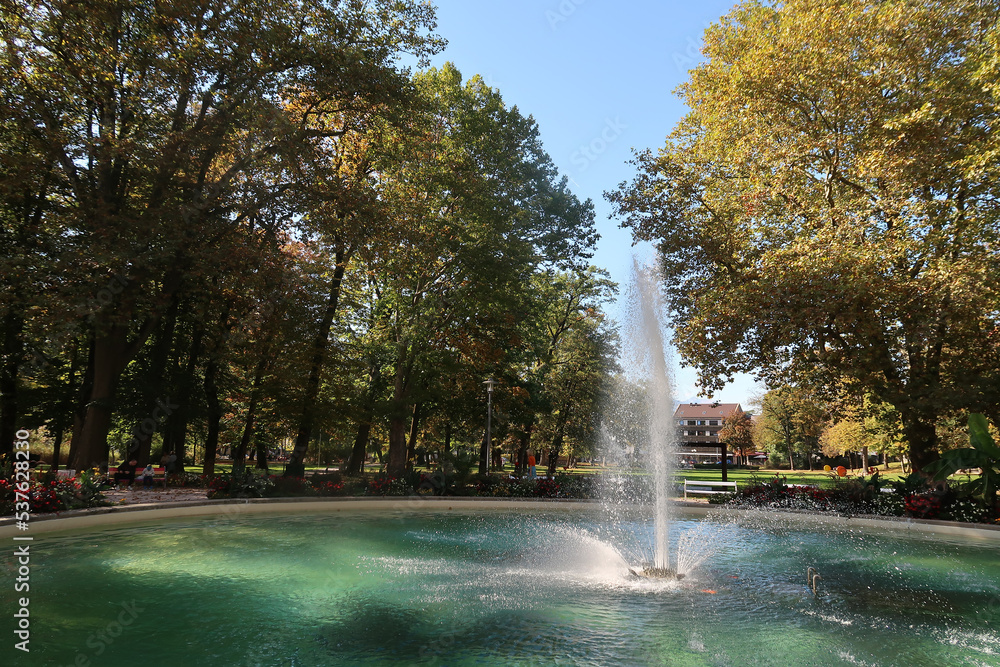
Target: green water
{"x":501,"y":589}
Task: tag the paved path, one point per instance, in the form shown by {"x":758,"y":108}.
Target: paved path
{"x":156,"y":495}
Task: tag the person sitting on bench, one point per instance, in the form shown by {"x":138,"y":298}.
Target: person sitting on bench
{"x":147,"y":476}
{"x":126,"y":471}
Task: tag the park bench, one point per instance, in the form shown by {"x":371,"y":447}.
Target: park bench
{"x":159,"y":476}
{"x":707,"y":488}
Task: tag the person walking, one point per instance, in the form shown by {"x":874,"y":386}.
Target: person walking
{"x":531,"y":465}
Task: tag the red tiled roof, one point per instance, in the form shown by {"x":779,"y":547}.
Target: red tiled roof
{"x":704,"y":410}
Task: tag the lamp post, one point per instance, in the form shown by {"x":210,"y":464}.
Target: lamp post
{"x":484,"y":455}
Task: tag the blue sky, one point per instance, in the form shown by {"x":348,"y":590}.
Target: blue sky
{"x":598,"y":77}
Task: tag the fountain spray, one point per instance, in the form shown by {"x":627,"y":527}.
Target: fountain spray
{"x":661,"y":429}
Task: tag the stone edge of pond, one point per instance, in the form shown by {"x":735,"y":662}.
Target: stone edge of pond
{"x":122,"y":514}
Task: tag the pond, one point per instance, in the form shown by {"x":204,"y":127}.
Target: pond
{"x":506,"y":588}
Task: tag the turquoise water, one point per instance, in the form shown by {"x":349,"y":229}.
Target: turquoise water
{"x":502,"y":589}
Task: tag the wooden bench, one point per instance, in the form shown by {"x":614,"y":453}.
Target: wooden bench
{"x":159,"y":476}
{"x":707,"y":488}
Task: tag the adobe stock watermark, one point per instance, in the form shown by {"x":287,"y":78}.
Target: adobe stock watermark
{"x":522,"y":643}
{"x":562,"y":12}
{"x":689,"y":57}
{"x":99,"y":641}
{"x":993,"y":609}
{"x":21,"y":564}
{"x":228,"y":516}
{"x":589,"y":153}
{"x":104,"y":298}
{"x":85,"y":312}
{"x":164,"y":408}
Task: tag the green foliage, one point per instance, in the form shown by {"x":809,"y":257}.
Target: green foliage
{"x":56,"y":495}
{"x":577,"y":486}
{"x":244,"y":484}
{"x":199,"y":207}
{"x":983,"y":454}
{"x":825,"y":212}
{"x":385,"y":485}
{"x":790,"y":424}
{"x":908,"y":485}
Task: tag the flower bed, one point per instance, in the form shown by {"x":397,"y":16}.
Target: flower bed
{"x":251,"y":485}
{"x":909,"y":497}
{"x":58,"y":495}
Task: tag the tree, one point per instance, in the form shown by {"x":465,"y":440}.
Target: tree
{"x":480,"y":210}
{"x":576,"y":384}
{"x":826,"y":211}
{"x":168,"y":126}
{"x":737,"y":433}
{"x":563,"y":303}
{"x":625,"y":419}
{"x":790,"y":423}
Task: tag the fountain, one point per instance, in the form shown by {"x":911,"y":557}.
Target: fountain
{"x":659,"y":449}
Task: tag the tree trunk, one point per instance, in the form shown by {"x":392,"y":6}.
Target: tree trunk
{"x":864,"y":460}
{"x":12,"y":352}
{"x":524,"y":441}
{"x":177,"y":423}
{"x":111,"y":355}
{"x":62,"y":420}
{"x":80,"y":407}
{"x":261,"y":453}
{"x":921,"y":436}
{"x":411,"y":444}
{"x":296,"y":466}
{"x":396,"y":465}
{"x":791,"y":461}
{"x":142,"y":437}
{"x":484,"y":456}
{"x":239,"y":456}
{"x":557,"y":439}
{"x":214,"y":416}
{"x":113,"y":350}
{"x":355,"y":465}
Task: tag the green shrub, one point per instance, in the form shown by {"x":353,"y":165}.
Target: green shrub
{"x":388,"y":486}
{"x":245,"y":485}
{"x":577,"y":486}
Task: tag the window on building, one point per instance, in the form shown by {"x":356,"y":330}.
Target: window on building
{"x":713,"y":422}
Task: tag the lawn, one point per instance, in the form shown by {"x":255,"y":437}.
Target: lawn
{"x":740,"y":476}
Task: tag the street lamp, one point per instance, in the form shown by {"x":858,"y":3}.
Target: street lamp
{"x":484,"y":454}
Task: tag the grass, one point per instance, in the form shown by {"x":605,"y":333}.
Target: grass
{"x":815,"y":477}
{"x":740,"y":476}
